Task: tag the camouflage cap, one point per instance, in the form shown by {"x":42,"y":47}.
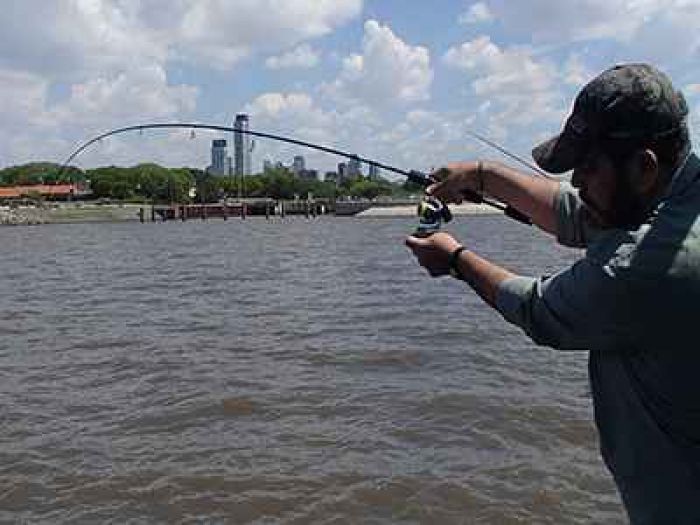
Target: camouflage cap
{"x":626,"y":102}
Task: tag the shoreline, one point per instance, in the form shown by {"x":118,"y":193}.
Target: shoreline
{"x":89,"y":213}
{"x":411,"y":210}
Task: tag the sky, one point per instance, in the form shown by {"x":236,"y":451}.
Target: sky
{"x":394,"y":80}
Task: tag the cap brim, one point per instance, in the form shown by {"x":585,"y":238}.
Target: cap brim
{"x":563,"y":152}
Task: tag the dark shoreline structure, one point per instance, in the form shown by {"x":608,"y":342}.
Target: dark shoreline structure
{"x":99,"y":211}
{"x":241,"y":209}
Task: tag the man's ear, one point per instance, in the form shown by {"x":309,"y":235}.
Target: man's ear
{"x":646,"y":172}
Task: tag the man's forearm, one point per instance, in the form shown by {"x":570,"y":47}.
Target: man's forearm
{"x":482,"y":275}
{"x":533,"y":196}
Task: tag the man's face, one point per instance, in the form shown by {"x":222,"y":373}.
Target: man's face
{"x":610,"y":199}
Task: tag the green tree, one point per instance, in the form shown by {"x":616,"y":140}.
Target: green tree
{"x":110,"y":182}
{"x":39,"y":173}
{"x":369,"y":189}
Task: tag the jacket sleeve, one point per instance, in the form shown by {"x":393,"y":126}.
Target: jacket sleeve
{"x":585,"y":307}
{"x":572,"y":228}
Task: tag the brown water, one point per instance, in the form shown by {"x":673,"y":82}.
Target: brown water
{"x":289,"y":371}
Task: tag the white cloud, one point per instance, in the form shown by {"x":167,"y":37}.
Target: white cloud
{"x":476,"y":14}
{"x":653,"y":28}
{"x":293,"y":114}
{"x":24,"y":118}
{"x":303,"y":57}
{"x":575,"y":72}
{"x":617,"y":19}
{"x":500,"y":72}
{"x":25,"y":98}
{"x":66,"y":39}
{"x":142,"y":94}
{"x":520,"y":89}
{"x":388,"y":70}
{"x":70,"y":39}
{"x":692,"y":89}
{"x":420,"y":139}
{"x":289,"y":106}
{"x":93,"y":107}
{"x":94,"y":64}
{"x":221,"y":33}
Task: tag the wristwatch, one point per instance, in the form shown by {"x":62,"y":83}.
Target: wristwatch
{"x":452,"y":262}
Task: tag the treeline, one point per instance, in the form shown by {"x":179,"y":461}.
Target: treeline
{"x":159,"y":184}
{"x":39,"y":173}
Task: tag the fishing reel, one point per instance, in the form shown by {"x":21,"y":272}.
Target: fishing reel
{"x":431,"y":211}
{"x":431,"y":214}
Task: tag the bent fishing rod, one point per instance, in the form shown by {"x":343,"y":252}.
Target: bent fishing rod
{"x":431,"y":211}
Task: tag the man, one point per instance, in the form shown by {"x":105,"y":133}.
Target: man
{"x":633,"y":300}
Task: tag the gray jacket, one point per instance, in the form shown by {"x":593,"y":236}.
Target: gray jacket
{"x":634,"y":302}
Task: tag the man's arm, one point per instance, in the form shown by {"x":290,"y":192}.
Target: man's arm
{"x":585,"y":306}
{"x":552,"y":205}
{"x":533,"y":196}
{"x":434,"y":253}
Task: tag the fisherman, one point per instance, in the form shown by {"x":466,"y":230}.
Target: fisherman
{"x":633,"y":299}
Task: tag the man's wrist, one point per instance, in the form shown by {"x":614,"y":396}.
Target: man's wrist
{"x":453,"y":263}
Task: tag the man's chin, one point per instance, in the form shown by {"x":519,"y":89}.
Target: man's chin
{"x":604,"y":221}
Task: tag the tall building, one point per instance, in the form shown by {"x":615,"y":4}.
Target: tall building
{"x":267,"y":165}
{"x":373,"y":172}
{"x":220,"y":161}
{"x":243,"y":147}
{"x":342,"y":171}
{"x":298,"y":165}
{"x":354,"y":170}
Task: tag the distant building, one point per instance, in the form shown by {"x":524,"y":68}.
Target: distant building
{"x":220,"y":161}
{"x":267,"y":165}
{"x":308,"y":174}
{"x":373,"y":172}
{"x":331,"y":176}
{"x":243,"y":147}
{"x":46,"y":191}
{"x":342,"y":171}
{"x":298,"y":165}
{"x":354,"y":168}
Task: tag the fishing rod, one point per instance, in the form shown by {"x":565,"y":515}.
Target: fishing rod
{"x":432,"y":212}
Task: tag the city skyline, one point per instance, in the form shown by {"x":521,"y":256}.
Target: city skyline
{"x":399,"y":83}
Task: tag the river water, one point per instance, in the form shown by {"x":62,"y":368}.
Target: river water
{"x":290,"y":371}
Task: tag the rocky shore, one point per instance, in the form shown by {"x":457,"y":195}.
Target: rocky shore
{"x":71,"y":213}
{"x":21,"y":216}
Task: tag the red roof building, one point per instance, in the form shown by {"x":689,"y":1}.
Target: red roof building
{"x":51,"y":191}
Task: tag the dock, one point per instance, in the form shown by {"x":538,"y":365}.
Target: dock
{"x":235,"y":209}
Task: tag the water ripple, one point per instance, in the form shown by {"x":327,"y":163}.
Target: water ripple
{"x":290,"y":371}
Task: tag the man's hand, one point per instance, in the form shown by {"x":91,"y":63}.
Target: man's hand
{"x":454,"y":179}
{"x":433,"y":252}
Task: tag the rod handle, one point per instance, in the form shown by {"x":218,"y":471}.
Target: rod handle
{"x":509,"y":211}
{"x":517,"y":215}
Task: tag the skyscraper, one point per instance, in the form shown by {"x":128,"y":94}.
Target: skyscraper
{"x":342,"y":171}
{"x":298,"y":165}
{"x":373,"y":172}
{"x":354,"y":169}
{"x":242,"y":147}
{"x":220,"y":161}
